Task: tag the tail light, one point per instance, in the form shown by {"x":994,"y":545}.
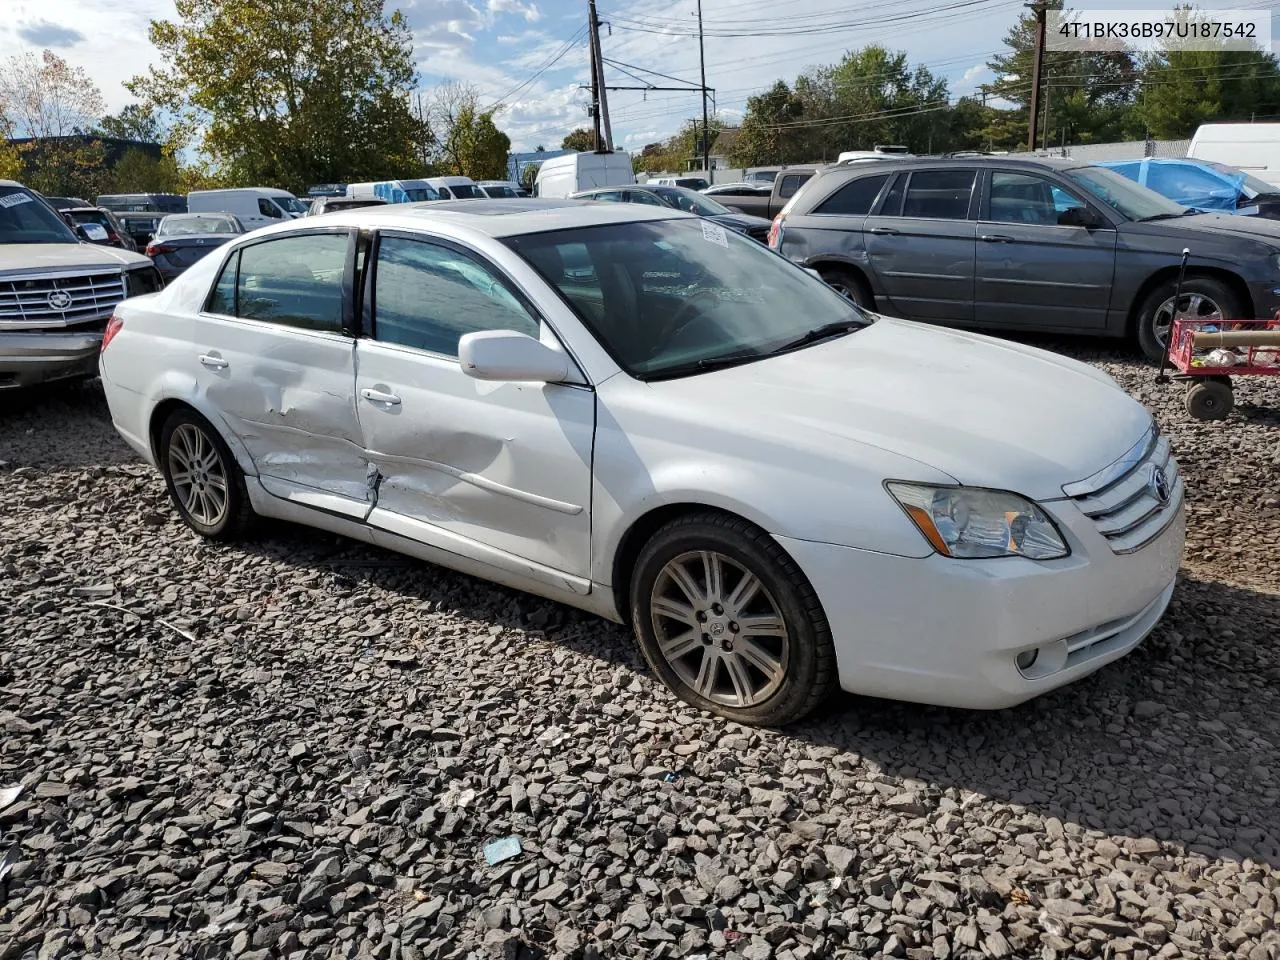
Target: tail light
{"x":154,"y":249}
{"x":775,"y":232}
{"x":114,"y":326}
{"x":113,"y":237}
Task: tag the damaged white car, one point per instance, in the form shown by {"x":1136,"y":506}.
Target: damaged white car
{"x":638,"y":413}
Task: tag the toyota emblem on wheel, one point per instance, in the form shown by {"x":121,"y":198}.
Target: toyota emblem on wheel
{"x":1159,"y":485}
{"x":59,"y":299}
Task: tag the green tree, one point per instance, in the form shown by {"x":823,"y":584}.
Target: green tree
{"x":289,"y":92}
{"x":135,"y":122}
{"x":1181,"y":89}
{"x":529,"y":175}
{"x":581,"y":140}
{"x":768,"y":133}
{"x":1088,"y":95}
{"x":467,"y":142}
{"x":139,"y":172}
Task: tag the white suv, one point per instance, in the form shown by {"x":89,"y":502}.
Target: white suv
{"x":648,"y":416}
{"x":56,"y":292}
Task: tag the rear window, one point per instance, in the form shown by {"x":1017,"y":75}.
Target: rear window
{"x":465,"y":191}
{"x":791,"y":183}
{"x":855,"y":198}
{"x":939,"y":194}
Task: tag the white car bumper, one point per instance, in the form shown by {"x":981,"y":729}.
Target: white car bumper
{"x":948,"y":632}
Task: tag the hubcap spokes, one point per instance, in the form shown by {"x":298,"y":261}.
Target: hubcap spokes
{"x":199,"y":478}
{"x":1191,"y":306}
{"x":719,"y":629}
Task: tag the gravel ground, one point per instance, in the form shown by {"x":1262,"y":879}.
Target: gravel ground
{"x":298,"y":747}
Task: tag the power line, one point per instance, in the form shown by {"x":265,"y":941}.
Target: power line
{"x":573,"y":41}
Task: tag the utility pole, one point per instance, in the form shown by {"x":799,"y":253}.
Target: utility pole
{"x":706,"y":127}
{"x":1037,"y":65}
{"x":599,"y":98}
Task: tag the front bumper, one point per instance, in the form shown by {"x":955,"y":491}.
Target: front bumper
{"x":948,"y":632}
{"x":30,"y":358}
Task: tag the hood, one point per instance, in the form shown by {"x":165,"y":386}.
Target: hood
{"x":985,"y":412}
{"x":43,"y":257}
{"x":1219,"y":224}
{"x":741,"y":221}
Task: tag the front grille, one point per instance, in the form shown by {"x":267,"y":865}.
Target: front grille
{"x":59,"y":301}
{"x":1123,"y":500}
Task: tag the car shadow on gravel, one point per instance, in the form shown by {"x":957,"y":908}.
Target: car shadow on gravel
{"x":1175,"y":743}
{"x":60,"y":425}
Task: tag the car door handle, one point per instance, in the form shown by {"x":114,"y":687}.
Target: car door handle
{"x":995,"y":238}
{"x":214,"y":362}
{"x":884,"y":230}
{"x":377,"y":396}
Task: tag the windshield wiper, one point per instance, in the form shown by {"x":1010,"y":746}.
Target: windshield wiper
{"x":1162,"y":216}
{"x":827,"y":331}
{"x":706,"y":364}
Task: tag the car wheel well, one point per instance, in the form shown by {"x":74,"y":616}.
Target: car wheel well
{"x":637,"y":535}
{"x":1170,"y":274}
{"x":856,"y":273}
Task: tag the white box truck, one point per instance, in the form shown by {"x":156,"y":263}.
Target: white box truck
{"x":561,"y":177}
{"x":1252,"y":147}
{"x":253,"y":206}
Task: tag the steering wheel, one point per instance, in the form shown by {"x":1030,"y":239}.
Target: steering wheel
{"x":684,"y":316}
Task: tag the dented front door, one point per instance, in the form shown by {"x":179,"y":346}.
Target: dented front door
{"x":499,"y":472}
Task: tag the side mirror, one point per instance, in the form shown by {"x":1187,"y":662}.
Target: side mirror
{"x":1079,"y":217}
{"x":510,"y":356}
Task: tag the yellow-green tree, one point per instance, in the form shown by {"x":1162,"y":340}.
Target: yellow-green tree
{"x":580,"y":140}
{"x":466,"y":141}
{"x":289,"y":92}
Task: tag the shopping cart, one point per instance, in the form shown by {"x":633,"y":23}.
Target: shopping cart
{"x":1208,"y":353}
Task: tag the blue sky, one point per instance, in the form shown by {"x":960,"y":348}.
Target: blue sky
{"x":501,"y":45}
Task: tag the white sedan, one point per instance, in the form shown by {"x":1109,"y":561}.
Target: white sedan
{"x":639,"y":413}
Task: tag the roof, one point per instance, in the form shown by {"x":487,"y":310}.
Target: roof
{"x":494,"y":218}
{"x":869,"y":165}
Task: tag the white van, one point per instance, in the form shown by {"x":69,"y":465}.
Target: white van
{"x":1252,"y":147}
{"x":561,"y":177}
{"x":253,"y":206}
{"x":455,"y":188}
{"x":393,"y":191}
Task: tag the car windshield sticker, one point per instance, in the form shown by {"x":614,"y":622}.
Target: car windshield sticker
{"x":714,"y":233}
{"x":13,"y":199}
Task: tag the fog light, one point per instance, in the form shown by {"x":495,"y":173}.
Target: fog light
{"x":1027,"y":658}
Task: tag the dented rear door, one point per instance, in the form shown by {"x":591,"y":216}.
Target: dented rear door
{"x":274,"y":356}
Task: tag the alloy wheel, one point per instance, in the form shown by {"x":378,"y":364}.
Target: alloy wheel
{"x":199,"y":475}
{"x":1192,"y":306}
{"x":719,"y":628}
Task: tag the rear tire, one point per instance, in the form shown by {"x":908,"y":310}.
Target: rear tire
{"x":726,"y":619}
{"x":203,"y":479}
{"x":849,"y":285}
{"x":1202,"y":298}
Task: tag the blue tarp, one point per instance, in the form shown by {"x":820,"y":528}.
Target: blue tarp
{"x":1186,"y":182}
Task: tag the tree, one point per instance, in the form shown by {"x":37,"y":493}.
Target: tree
{"x":135,"y":122}
{"x":467,"y":141}
{"x":1088,"y":95}
{"x":581,"y":140}
{"x":52,"y":105}
{"x":529,"y":175}
{"x":11,"y":167}
{"x":767,"y":131}
{"x":1181,"y":89}
{"x":139,"y":172}
{"x":290,"y":92}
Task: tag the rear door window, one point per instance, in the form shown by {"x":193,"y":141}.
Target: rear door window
{"x":855,"y":198}
{"x":292,"y":281}
{"x":939,"y":194}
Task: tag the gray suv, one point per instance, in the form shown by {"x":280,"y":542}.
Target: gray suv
{"x":1026,"y":244}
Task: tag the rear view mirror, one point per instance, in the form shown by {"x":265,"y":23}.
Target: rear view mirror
{"x":1079,"y":217}
{"x":510,"y":356}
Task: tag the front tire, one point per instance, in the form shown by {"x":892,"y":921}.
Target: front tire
{"x":203,"y":478}
{"x":1202,"y":298}
{"x":729,"y":622}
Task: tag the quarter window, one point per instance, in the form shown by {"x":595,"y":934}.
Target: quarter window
{"x":293,"y":281}
{"x":427,"y":296}
{"x":854,"y":199}
{"x":939,"y":194}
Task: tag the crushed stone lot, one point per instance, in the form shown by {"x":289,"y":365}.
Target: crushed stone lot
{"x":298,"y":747}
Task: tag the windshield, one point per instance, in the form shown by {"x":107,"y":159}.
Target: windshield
{"x":419,"y":194}
{"x":691,"y":202}
{"x":493,"y":192}
{"x":91,"y":216}
{"x":291,"y":204}
{"x":196,"y":223}
{"x":1123,"y":195}
{"x":465,"y":191}
{"x":1250,"y":185}
{"x":26,"y":219}
{"x":666,"y":296}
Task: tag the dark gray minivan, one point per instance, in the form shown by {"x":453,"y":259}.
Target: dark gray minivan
{"x":1032,"y":244}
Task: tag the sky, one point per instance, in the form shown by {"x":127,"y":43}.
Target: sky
{"x":530,"y":56}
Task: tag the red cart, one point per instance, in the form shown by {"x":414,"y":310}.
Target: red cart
{"x":1208,"y":353}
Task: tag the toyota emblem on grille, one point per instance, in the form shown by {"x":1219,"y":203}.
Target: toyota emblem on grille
{"x":1159,"y":485}
{"x":59,"y":299}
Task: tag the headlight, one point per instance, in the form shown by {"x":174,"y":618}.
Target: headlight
{"x":142,"y":280}
{"x":969,"y":523}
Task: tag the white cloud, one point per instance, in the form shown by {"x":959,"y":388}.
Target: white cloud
{"x":974,"y":72}
{"x":528,"y":10}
